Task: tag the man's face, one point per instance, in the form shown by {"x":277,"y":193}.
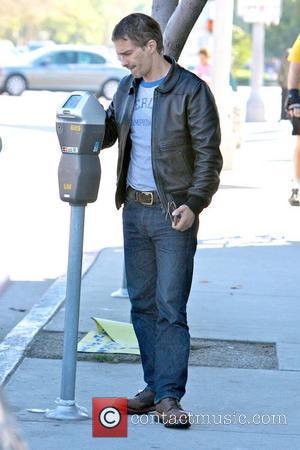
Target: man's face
{"x":137,"y":59}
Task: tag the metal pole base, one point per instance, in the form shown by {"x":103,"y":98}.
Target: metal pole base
{"x":121,"y":293}
{"x":255,"y":109}
{"x":67,"y":410}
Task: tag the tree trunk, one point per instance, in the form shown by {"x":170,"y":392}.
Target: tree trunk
{"x":180,"y":23}
{"x":162,"y":11}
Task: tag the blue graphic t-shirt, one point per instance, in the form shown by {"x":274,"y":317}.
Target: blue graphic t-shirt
{"x":140,"y":173}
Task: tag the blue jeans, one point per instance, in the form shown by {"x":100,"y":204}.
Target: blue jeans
{"x":159,"y":268}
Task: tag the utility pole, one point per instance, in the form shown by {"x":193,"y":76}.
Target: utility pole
{"x":255,"y":111}
{"x":222,"y":50}
{"x":259,"y":13}
{"x":221,"y":65}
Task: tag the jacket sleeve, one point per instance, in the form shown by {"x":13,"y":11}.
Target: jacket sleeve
{"x":111,"y":132}
{"x":204,"y":127}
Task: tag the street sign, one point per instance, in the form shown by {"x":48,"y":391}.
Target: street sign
{"x":260,"y":11}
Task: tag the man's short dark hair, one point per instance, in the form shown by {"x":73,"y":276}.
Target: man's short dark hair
{"x":140,"y":28}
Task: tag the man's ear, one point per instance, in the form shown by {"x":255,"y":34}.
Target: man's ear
{"x":151,"y":46}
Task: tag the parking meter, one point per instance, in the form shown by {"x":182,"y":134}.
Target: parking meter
{"x":80,"y":127}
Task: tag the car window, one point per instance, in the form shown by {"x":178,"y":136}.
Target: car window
{"x":89,"y":58}
{"x":65,"y":57}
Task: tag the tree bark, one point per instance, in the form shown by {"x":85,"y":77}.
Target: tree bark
{"x":162,"y":11}
{"x":179,"y":24}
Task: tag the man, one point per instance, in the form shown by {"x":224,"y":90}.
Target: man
{"x":293,"y":109}
{"x":167,"y":126}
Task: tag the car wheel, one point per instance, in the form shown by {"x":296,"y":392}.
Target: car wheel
{"x":109,"y":88}
{"x":15,"y":85}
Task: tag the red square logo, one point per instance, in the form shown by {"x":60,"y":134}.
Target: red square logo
{"x":110,"y":417}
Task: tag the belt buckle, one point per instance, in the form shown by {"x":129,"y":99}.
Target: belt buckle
{"x":144,"y":195}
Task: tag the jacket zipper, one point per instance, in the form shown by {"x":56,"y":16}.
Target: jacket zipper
{"x":167,"y":205}
{"x":123,"y":144}
{"x":160,"y":191}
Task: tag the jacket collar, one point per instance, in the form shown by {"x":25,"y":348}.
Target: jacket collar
{"x":169,"y":82}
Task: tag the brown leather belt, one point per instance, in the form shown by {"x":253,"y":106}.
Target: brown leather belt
{"x":147,"y":198}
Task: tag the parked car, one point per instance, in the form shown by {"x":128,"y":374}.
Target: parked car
{"x":62,"y":68}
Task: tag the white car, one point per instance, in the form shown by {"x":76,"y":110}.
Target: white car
{"x":62,"y":68}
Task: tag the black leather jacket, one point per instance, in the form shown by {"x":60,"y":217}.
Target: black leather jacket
{"x":185,"y":139}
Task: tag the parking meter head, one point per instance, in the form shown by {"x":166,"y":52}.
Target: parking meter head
{"x":80,"y":127}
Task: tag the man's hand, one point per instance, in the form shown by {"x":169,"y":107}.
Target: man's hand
{"x":183,"y":218}
{"x":293,"y":103}
{"x":294,"y":110}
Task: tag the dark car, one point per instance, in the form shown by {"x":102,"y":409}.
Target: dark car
{"x":62,"y":68}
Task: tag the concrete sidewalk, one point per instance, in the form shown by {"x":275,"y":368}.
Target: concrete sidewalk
{"x":243,"y":310}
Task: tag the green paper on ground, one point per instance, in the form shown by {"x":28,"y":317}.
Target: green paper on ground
{"x":111,"y":337}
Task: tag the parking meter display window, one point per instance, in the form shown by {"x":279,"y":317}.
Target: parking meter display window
{"x":72,"y":101}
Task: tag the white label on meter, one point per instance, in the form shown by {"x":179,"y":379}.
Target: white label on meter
{"x":69,"y":149}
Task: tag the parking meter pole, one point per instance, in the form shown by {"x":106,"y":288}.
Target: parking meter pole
{"x":124,"y":284}
{"x":66,"y":405}
{"x":72,"y":303}
{"x":122,"y":292}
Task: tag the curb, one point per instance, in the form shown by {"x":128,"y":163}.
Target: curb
{"x":13,"y":346}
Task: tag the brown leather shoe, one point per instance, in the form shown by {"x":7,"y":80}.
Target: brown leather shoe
{"x":170,"y":413}
{"x":141,"y":403}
